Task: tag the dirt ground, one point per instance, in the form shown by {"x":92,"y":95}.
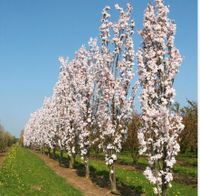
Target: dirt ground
{"x":84,"y":185}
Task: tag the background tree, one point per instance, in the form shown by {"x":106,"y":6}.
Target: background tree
{"x":188,"y":137}
{"x":189,"y":134}
{"x":6,"y":139}
{"x":132,"y":144}
{"x":21,"y":139}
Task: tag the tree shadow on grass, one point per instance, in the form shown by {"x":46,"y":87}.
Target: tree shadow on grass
{"x":64,"y":162}
{"x":101,"y":179}
{"x":80,"y":169}
{"x":126,"y":190}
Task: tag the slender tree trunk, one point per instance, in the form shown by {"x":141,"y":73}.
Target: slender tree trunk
{"x":87,"y":168}
{"x":71,"y":161}
{"x":164,"y":184}
{"x":54,"y":153}
{"x":61,"y":157}
{"x":49,"y":152}
{"x":113,"y":180}
{"x":134,"y":156}
{"x":41,"y":150}
{"x":164,"y":190}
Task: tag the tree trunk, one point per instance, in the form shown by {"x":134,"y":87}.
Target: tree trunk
{"x":113,"y":180}
{"x":61,"y":157}
{"x":164,"y":184}
{"x":134,"y":156}
{"x":87,"y":169}
{"x":164,"y":190}
{"x":49,"y":152}
{"x":54,"y":153}
{"x":71,"y":161}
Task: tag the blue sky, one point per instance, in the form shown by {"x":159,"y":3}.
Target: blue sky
{"x":34,"y":33}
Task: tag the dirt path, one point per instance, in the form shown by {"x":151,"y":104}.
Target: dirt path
{"x":70,"y":175}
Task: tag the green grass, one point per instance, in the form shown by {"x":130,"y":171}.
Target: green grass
{"x":188,"y":159}
{"x":188,"y":164}
{"x":136,"y":180}
{"x":186,"y":168}
{"x":23,"y":173}
{"x":188,"y":171}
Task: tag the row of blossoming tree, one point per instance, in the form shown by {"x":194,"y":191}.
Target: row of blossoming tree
{"x":93,"y":100}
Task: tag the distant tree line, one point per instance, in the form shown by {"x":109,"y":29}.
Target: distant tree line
{"x":6,"y":139}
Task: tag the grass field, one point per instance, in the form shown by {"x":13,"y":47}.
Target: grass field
{"x":23,"y":173}
{"x":135,"y":180}
{"x":132,"y":180}
{"x":186,"y":164}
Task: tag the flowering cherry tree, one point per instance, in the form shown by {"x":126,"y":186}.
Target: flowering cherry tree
{"x":158,"y":64}
{"x":48,"y":125}
{"x":29,"y":135}
{"x":114,"y":84}
{"x":68,"y":108}
{"x":60,"y":92}
{"x":39,"y":131}
{"x":85,"y":61}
